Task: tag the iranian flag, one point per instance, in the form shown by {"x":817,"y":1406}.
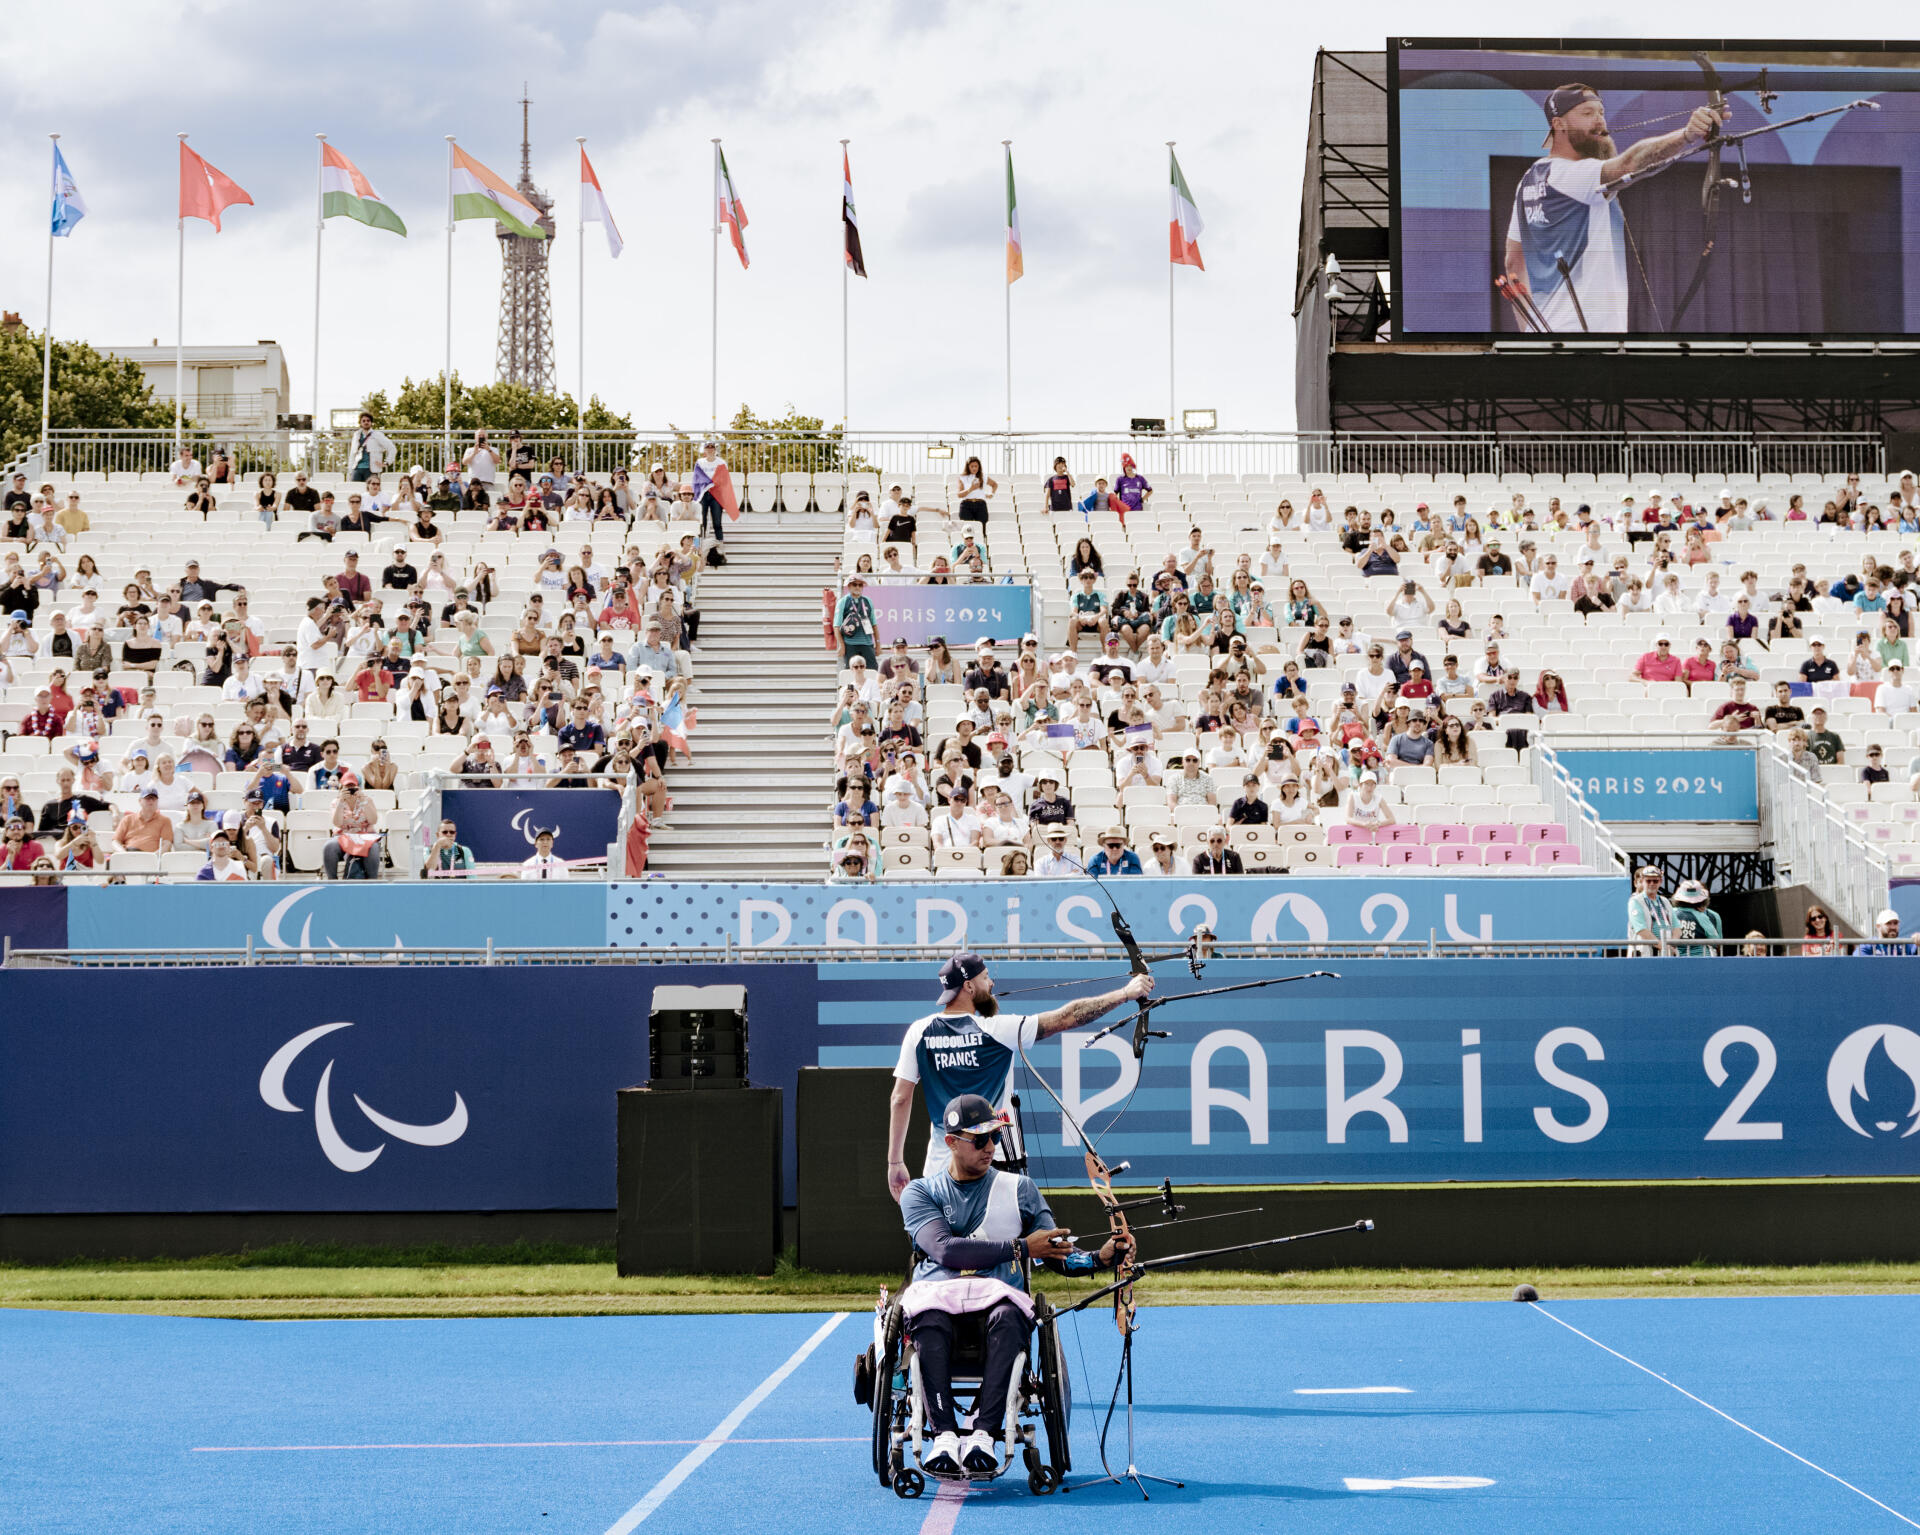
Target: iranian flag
{"x":732,"y":214}
{"x":346,"y":193}
{"x":479,"y":194}
{"x":1016,"y":268}
{"x":593,"y":205}
{"x":1183,"y":230}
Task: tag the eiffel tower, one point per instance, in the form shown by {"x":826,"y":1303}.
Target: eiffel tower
{"x":524,"y":353}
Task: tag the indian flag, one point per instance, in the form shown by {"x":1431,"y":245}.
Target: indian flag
{"x":1183,"y":230}
{"x":346,"y":193}
{"x":593,"y":204}
{"x":1015,"y":267}
{"x":479,"y":194}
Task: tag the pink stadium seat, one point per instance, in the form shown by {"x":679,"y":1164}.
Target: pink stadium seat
{"x":1449,"y":855}
{"x":1554,"y":852}
{"x":1359,"y":853}
{"x":1439,"y":832}
{"x":1343,"y":834}
{"x":1543,"y":831}
{"x":1402,"y":853}
{"x":1399,"y":832}
{"x":1503,"y":853}
{"x":1495,"y":831}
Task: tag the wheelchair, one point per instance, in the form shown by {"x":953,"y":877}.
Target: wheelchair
{"x":886,"y":1380}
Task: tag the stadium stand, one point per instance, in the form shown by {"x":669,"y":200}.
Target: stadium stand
{"x":1699,"y":596}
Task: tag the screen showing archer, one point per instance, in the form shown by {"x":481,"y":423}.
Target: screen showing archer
{"x":1672,"y":188}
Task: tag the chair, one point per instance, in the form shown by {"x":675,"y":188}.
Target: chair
{"x":1457,"y":855}
{"x":1409,"y":853}
{"x":1542,"y":831}
{"x":1444,"y":833}
{"x":1397,"y":834}
{"x":1504,"y":854}
{"x":1359,"y":854}
{"x":1342,"y":835}
{"x":1495,"y":834}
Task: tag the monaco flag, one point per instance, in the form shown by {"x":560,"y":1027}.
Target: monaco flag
{"x":204,"y":191}
{"x":593,"y":205}
{"x":1184,"y":229}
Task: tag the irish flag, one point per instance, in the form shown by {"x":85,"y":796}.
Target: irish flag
{"x":1015,"y":267}
{"x":593,"y":205}
{"x":346,"y":193}
{"x":1183,"y":230}
{"x":479,"y":194}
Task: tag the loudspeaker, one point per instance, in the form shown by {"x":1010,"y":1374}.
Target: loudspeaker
{"x":848,"y":1221}
{"x":697,"y":1037}
{"x":699,"y":1181}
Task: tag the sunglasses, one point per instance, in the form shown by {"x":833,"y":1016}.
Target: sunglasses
{"x":992,"y":1138}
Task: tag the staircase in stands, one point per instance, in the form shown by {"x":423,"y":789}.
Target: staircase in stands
{"x":758,"y":801}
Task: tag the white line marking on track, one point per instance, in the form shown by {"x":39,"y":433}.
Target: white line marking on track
{"x":1353,"y":1391}
{"x":945,"y":1512}
{"x":511,"y":1444}
{"x":1423,"y":1483}
{"x":1717,"y":1412}
{"x":723,"y":1431}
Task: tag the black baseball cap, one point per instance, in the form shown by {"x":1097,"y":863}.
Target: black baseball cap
{"x":971,"y":1114}
{"x":954,"y":974}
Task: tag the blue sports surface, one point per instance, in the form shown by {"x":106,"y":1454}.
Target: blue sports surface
{"x":1773,"y":1415}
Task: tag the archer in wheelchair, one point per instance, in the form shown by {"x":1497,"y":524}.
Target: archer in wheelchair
{"x":966,"y":1357}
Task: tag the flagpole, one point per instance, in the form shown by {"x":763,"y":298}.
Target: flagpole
{"x":46,"y":341}
{"x":1007,"y":284}
{"x":446,"y":372}
{"x":713,"y":364}
{"x":180,"y":327}
{"x":1172,"y":419}
{"x":319,"y":234}
{"x":843,"y":317}
{"x":580,"y":252}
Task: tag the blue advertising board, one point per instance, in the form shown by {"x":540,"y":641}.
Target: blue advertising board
{"x":399,"y":1088}
{"x":1063,"y":912}
{"x":1001,"y":612}
{"x":1684,"y":784}
{"x":499,"y":824}
{"x":345,"y":914}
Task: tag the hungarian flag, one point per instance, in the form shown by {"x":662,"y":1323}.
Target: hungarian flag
{"x":1015,"y":267}
{"x":479,"y":194}
{"x":1183,"y":230}
{"x":204,"y":191}
{"x":718,"y":478}
{"x":346,"y":193}
{"x":593,"y":205}
{"x":850,"y":220}
{"x":732,"y":213}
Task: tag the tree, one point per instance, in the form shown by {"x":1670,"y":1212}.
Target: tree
{"x":790,"y":444}
{"x":91,"y":390}
{"x":498,"y":407}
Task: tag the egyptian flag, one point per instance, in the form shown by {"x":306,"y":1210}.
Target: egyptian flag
{"x":849,"y":220}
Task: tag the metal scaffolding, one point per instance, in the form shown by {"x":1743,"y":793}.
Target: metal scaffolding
{"x":524,"y":353}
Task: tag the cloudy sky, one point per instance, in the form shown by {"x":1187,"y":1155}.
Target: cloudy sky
{"x":1089,"y":93}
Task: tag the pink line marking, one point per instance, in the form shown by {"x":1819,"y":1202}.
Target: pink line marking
{"x":945,"y":1512}
{"x":531,"y":1444}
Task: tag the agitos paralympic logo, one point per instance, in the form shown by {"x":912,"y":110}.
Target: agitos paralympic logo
{"x":273,"y":1089}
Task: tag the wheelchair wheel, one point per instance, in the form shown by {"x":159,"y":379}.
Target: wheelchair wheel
{"x":1039,"y":1478}
{"x":909,"y":1484}
{"x":880,"y":1381}
{"x":1056,"y":1391}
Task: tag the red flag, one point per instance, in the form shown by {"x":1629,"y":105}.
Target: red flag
{"x":204,"y":191}
{"x":723,"y":491}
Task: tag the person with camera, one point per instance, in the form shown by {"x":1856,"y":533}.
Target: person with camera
{"x":448,"y":857}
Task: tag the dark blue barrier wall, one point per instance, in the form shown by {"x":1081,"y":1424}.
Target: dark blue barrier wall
{"x":498,"y":824}
{"x":178,"y":1090}
{"x":34,"y":916}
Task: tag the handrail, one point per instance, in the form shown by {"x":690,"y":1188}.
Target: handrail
{"x":1815,"y":845}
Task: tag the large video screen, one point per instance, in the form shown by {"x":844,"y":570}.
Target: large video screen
{"x":1616,"y":189}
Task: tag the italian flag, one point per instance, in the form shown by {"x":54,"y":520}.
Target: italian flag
{"x":732,"y":213}
{"x":1015,"y":267}
{"x":479,"y":194}
{"x":1183,"y":230}
{"x":346,"y":193}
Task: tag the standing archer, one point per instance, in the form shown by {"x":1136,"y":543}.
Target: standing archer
{"x":966,"y":1047}
{"x":1567,"y":239}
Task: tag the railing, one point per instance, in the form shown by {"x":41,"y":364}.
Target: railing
{"x":1570,"y":808}
{"x":730,"y":954}
{"x":249,"y":410}
{"x":1814,"y":845}
{"x":827,"y":456}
